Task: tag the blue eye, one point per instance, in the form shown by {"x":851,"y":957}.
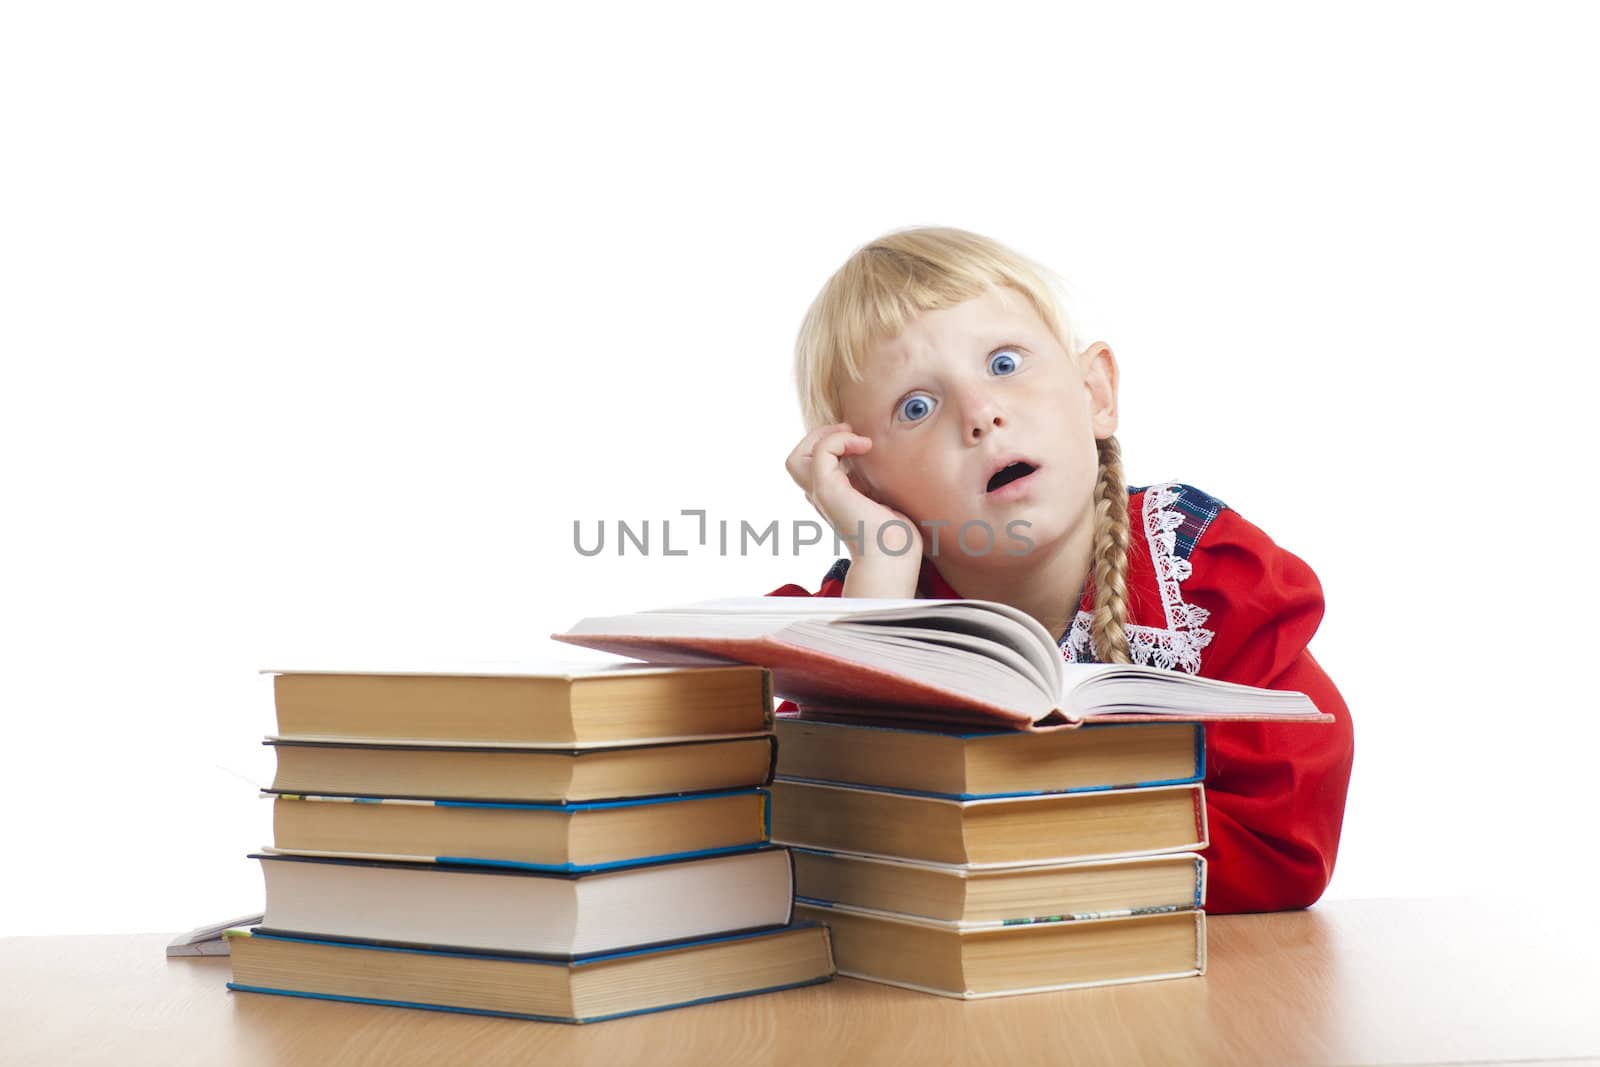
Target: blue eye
{"x":1003,"y":362}
{"x":915,"y":408}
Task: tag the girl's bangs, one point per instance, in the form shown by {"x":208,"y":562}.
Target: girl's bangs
{"x":885,"y":286}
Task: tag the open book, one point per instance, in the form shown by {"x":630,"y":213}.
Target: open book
{"x":955,"y":661}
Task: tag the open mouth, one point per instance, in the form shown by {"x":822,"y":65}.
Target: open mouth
{"x":1008,"y":474}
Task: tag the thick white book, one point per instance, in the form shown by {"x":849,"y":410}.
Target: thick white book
{"x":501,"y":909}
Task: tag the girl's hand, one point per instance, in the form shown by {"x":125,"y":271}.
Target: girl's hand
{"x":818,"y":467}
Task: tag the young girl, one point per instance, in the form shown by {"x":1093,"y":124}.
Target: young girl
{"x":961,"y":442}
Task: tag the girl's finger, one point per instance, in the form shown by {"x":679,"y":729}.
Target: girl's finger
{"x":810,"y":440}
{"x":843,"y":443}
{"x":801,"y":455}
{"x":827,"y":458}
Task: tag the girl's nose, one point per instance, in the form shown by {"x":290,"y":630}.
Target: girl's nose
{"x":984,"y":426}
{"x":981,"y":416}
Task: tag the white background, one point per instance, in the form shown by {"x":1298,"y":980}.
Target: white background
{"x":322,"y":323}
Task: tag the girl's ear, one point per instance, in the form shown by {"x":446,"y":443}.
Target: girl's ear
{"x":1100,"y":380}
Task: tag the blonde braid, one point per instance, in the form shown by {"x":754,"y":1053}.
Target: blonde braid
{"x":1110,"y":557}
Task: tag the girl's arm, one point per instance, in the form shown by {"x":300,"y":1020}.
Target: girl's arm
{"x":1275,"y":793}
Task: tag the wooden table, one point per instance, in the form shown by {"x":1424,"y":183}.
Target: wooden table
{"x":1350,"y":982}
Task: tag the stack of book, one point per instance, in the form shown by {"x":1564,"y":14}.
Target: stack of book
{"x":1060,"y":851}
{"x":980,"y":864}
{"x":569,"y":846}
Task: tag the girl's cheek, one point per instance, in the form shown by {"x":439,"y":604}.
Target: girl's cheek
{"x":866,"y":472}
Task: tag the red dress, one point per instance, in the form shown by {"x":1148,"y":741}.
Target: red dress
{"x":1210,"y":594}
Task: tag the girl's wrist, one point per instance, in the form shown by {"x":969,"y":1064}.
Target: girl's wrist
{"x":894,"y":540}
{"x":876,"y":574}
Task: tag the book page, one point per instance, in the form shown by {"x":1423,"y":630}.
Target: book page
{"x":1006,"y":635}
{"x":791,"y":606}
{"x":961,"y":639}
{"x":997,"y":624}
{"x":1091,"y":690}
{"x":988,"y":657}
{"x":974,"y":674}
{"x":987,"y":618}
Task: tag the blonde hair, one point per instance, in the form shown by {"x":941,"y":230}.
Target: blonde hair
{"x":888,"y":283}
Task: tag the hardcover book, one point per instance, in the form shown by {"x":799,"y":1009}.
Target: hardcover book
{"x":561,"y":837}
{"x":580,"y":991}
{"x":622,"y":704}
{"x":987,"y":960}
{"x":968,"y":766}
{"x":956,"y":661}
{"x":565,"y":775}
{"x":517,"y":910}
{"x":953,"y":893}
{"x":1051,"y":828}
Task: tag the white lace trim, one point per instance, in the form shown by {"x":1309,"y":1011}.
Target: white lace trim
{"x":1178,"y":646}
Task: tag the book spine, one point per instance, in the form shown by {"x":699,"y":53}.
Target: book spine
{"x":772,"y":743}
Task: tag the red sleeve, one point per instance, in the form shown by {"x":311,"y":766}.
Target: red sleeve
{"x":832,"y":585}
{"x":1275,"y":793}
